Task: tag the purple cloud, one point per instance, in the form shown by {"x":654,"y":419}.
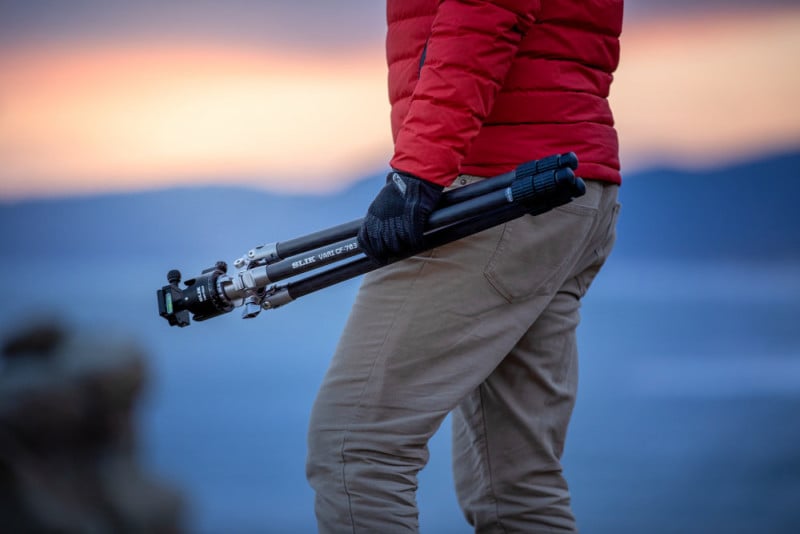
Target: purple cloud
{"x":298,"y":25}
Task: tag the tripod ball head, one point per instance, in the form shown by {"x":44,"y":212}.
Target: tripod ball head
{"x":202,"y":297}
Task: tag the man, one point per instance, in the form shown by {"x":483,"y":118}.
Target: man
{"x":483,"y":328}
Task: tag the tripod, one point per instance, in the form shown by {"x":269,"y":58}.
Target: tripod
{"x":333,"y":255}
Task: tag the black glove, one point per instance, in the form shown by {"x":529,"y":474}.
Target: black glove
{"x":396,"y":219}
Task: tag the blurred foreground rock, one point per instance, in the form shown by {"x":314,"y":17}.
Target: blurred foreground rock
{"x":67,"y":438}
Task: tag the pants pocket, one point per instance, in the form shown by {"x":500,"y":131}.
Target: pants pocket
{"x":534,"y":253}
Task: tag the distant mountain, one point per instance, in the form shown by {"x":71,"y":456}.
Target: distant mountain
{"x":746,"y":211}
{"x":203,"y":222}
{"x":738,"y":212}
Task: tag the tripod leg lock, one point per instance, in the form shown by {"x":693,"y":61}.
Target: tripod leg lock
{"x":276,"y":296}
{"x":260,"y":255}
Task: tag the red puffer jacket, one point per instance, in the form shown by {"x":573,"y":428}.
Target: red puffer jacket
{"x":479,"y":86}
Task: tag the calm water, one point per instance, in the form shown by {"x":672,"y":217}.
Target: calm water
{"x":687,"y":419}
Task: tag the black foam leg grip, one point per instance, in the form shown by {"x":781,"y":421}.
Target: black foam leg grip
{"x":546,"y":184}
{"x":550,"y":163}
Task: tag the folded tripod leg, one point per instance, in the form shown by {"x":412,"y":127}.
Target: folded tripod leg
{"x":529,"y":195}
{"x":274,"y":252}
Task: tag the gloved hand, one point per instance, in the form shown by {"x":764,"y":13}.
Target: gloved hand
{"x":396,"y":219}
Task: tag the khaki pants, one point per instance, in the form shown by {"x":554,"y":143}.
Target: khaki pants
{"x":483,"y":328}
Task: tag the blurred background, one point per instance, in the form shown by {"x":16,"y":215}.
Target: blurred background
{"x":140,"y":137}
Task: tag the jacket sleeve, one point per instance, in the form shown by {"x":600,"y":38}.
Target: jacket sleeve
{"x":468,"y":54}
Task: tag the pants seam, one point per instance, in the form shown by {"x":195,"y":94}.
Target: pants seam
{"x":492,"y":492}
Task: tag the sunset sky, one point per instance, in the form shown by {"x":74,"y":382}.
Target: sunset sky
{"x":100,"y":96}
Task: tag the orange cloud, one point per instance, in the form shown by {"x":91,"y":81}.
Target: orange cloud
{"x":133,"y":118}
{"x":710,"y":88}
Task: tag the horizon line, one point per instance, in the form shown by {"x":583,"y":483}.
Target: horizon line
{"x":247,"y":183}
